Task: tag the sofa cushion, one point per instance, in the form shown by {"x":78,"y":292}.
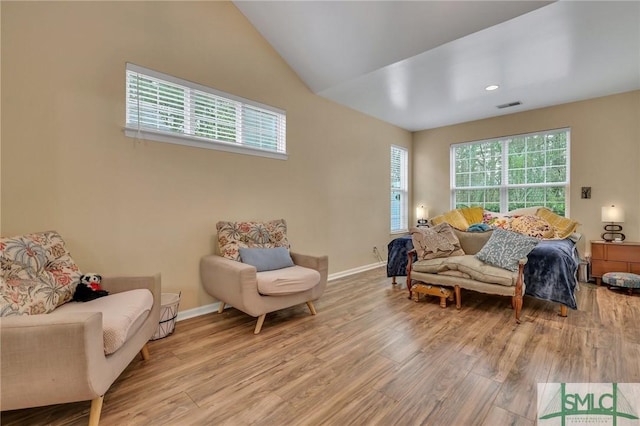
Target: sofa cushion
{"x":432,"y":266}
{"x":467,"y":266}
{"x":43,"y":259}
{"x":439,"y":241}
{"x":472,"y":242}
{"x":533,"y":226}
{"x":287,"y":281}
{"x":24,"y":297}
{"x":266,"y":259}
{"x":485,"y":272}
{"x":524,"y":211}
{"x":505,"y":249}
{"x":562,"y":225}
{"x":122,"y":315}
{"x":233,"y":235}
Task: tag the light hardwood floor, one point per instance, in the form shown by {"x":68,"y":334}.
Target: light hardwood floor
{"x":370,"y":357}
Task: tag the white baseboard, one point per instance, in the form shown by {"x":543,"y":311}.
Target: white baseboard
{"x":355,"y":270}
{"x":213,"y":307}
{"x":196,"y":312}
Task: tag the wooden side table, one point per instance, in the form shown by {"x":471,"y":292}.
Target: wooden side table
{"x":614,"y":257}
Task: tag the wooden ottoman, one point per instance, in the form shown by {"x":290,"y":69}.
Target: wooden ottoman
{"x":432,"y":290}
{"x":622,"y":279}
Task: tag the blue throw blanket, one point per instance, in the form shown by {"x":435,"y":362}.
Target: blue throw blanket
{"x":550,"y":272}
{"x":397,"y":261}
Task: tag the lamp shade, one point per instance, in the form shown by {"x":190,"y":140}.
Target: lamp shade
{"x":612,"y":214}
{"x":421,"y":212}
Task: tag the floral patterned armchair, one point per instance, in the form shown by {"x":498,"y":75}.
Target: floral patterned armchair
{"x":257,"y":274}
{"x":54,"y":350}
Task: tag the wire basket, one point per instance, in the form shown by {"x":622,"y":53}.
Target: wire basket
{"x":168,"y":314}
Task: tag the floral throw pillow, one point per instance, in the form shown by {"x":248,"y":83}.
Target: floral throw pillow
{"x":533,"y":226}
{"x":233,"y":235}
{"x":439,"y":241}
{"x":26,"y":297}
{"x":40,"y":258}
{"x":497,"y":220}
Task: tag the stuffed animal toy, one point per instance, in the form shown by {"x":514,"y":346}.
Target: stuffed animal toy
{"x":89,"y":288}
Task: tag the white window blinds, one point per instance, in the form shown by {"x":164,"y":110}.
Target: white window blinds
{"x":399,"y":189}
{"x":168,"y":109}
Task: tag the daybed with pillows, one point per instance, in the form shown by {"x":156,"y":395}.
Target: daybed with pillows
{"x":548,"y":269}
{"x":54,"y":350}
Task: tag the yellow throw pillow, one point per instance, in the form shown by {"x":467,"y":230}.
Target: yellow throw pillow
{"x":563,"y":225}
{"x":472,"y":214}
{"x":453,"y":218}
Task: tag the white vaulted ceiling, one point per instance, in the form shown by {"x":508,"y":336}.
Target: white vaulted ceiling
{"x":421,"y":65}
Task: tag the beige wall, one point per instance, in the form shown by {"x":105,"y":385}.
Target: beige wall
{"x":605,"y":155}
{"x":128,"y":207}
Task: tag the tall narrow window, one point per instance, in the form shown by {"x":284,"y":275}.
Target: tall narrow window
{"x":512,"y":172}
{"x":168,"y":109}
{"x":399,"y":189}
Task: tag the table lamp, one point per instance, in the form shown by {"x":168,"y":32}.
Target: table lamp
{"x":421,"y":214}
{"x":612,"y":232}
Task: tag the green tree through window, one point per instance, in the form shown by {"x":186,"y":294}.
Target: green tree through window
{"x":512,"y":172}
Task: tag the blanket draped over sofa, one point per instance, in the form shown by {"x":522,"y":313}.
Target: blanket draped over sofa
{"x":550,"y":272}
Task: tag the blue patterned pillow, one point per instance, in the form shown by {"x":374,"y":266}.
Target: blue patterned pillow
{"x":505,"y":249}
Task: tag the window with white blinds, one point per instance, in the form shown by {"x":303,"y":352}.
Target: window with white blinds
{"x":399,"y":189}
{"x":164,"y":108}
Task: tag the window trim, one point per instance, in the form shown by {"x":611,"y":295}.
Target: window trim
{"x":138,"y":132}
{"x":504,"y":171}
{"x":404,"y":206}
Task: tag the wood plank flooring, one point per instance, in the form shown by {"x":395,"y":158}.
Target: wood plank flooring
{"x":370,"y":357}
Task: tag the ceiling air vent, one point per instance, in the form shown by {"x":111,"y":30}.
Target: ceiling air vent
{"x":510,"y":104}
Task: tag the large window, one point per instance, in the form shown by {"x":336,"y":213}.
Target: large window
{"x":168,"y":109}
{"x":399,"y":189}
{"x":512,"y":172}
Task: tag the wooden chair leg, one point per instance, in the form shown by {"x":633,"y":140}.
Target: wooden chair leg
{"x":518,"y":307}
{"x":96,"y":409}
{"x":456,"y":290}
{"x":259,"y":323}
{"x":220,"y":307}
{"x":563,"y":310}
{"x":312,"y":308}
{"x":144,"y":352}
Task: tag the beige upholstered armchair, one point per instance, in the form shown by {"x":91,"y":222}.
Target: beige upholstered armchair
{"x":54,"y":350}
{"x":256,"y":273}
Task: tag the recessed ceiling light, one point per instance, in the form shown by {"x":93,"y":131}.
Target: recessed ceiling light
{"x":491,"y":87}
